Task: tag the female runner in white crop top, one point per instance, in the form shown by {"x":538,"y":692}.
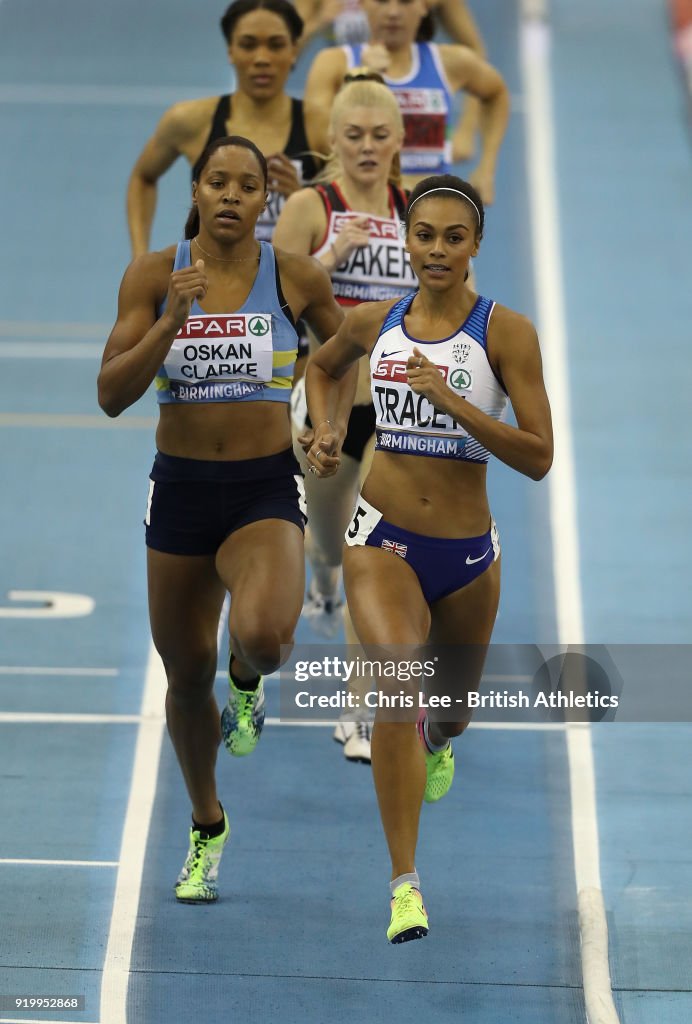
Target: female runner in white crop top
{"x":422,"y":557}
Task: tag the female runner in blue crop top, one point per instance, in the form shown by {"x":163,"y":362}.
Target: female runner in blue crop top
{"x":422,"y":556}
{"x":424,"y":77}
{"x":212,"y":323}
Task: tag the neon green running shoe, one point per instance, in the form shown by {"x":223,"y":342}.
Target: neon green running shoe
{"x":439,"y":767}
{"x":242,"y":719}
{"x":440,"y":772}
{"x":409,"y":916}
{"x":197,"y":880}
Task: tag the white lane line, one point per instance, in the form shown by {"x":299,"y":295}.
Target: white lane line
{"x":47,"y":604}
{"x":222,"y":628}
{"x":30,"y":670}
{"x":124,"y":95}
{"x":548,"y":275}
{"x":60,"y":863}
{"x":59,"y":718}
{"x":34,"y":1020}
{"x":51,"y":350}
{"x":75,"y":421}
{"x":497,"y":726}
{"x":66,"y":718}
{"x":551,"y":319}
{"x":222,"y":673}
{"x":99,"y":95}
{"x":497,"y":680}
{"x":116,"y":967}
{"x":275,"y":677}
{"x":44,"y":670}
{"x":521,"y":726}
{"x":52,"y":329}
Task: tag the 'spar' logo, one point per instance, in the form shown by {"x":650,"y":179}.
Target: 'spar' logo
{"x":461,"y":380}
{"x":258,"y":326}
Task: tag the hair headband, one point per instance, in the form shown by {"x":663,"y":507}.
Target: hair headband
{"x":445,"y":188}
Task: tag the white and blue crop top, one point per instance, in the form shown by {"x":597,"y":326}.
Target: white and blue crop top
{"x":244,"y":356}
{"x":408,"y":423}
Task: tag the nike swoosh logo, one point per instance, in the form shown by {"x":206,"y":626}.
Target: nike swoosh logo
{"x":470,"y":561}
{"x":386,"y":355}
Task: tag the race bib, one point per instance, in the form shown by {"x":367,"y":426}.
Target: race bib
{"x":221,"y":349}
{"x":425,"y":127}
{"x":377,"y":271}
{"x":365,"y":519}
{"x":266,"y":222}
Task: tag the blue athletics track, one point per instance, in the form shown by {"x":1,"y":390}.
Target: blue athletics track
{"x":590,"y":236}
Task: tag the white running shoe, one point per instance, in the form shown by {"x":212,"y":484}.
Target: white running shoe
{"x":343,"y":730}
{"x":324,"y":613}
{"x":357,"y":746}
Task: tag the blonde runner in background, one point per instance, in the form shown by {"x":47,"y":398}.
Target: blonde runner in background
{"x":353,"y":224}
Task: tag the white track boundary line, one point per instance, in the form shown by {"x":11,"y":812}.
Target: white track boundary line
{"x":59,"y":863}
{"x":45,"y":670}
{"x":77,"y":421}
{"x":47,"y":350}
{"x":116,"y":967}
{"x":71,"y":718}
{"x":67,"y":718}
{"x":98,"y":95}
{"x":540,"y":150}
{"x":34,"y":1020}
{"x":275,"y":677}
{"x":53,"y":329}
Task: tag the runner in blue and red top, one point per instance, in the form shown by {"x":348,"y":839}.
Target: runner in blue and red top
{"x":424,"y":77}
{"x":352,"y":224}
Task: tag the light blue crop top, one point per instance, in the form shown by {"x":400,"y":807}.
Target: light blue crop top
{"x":244,"y":356}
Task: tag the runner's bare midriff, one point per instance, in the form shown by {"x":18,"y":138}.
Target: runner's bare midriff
{"x":434,"y":497}
{"x":224,"y":430}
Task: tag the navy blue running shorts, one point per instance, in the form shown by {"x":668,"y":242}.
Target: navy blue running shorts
{"x":195,"y":505}
{"x":441,"y":564}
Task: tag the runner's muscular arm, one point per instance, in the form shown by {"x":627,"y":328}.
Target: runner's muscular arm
{"x":322,"y":312}
{"x":324,"y":80}
{"x":178,"y":126}
{"x":516,"y":358}
{"x":328,"y":367}
{"x":303,"y":224}
{"x":139,"y":341}
{"x":316,"y":131}
{"x":466,"y":70}
{"x":459,"y":22}
{"x":300,"y":227}
{"x":316,"y":15}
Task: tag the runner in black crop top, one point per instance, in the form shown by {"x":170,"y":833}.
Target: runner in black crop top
{"x":262,"y":47}
{"x":297,"y":147}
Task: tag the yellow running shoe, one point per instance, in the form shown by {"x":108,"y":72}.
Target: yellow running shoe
{"x":440,"y":772}
{"x":409,"y":917}
{"x":242,"y":719}
{"x":439,"y":767}
{"x":197,"y":879}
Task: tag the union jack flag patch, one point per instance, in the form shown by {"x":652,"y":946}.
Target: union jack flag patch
{"x":395,"y":547}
